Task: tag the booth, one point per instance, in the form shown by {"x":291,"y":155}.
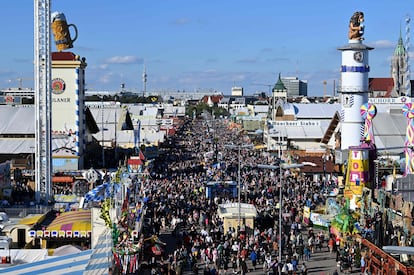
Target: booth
{"x":235,"y":214}
{"x":72,"y":227}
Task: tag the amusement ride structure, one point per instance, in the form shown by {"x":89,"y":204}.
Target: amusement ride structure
{"x":43,"y":100}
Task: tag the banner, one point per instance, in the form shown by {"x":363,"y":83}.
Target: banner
{"x":357,"y":172}
{"x":306,"y":215}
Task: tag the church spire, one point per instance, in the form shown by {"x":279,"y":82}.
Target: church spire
{"x":398,"y":68}
{"x":279,"y":86}
{"x":400,"y":49}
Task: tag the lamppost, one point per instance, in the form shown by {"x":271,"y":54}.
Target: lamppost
{"x":271,"y":132}
{"x":282,"y":167}
{"x":327,"y":155}
{"x":102,"y":129}
{"x":238,"y":148}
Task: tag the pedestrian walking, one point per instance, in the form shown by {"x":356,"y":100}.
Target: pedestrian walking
{"x":253,"y":258}
{"x":244,"y":268}
{"x":362,"y":264}
{"x":307,"y":253}
{"x":304,"y":269}
{"x":331,"y":244}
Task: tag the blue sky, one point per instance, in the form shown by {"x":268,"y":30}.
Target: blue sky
{"x":206,"y":45}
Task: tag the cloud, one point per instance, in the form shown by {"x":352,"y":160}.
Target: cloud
{"x":383,"y":44}
{"x":127,"y":59}
{"x":106,"y":78}
{"x":103,"y":66}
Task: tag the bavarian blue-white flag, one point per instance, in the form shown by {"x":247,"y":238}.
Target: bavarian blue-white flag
{"x":137,"y":133}
{"x":99,"y":193}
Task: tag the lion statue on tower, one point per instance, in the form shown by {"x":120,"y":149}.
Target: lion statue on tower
{"x":356,"y":26}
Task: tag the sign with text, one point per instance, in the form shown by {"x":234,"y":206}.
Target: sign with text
{"x":357,"y":172}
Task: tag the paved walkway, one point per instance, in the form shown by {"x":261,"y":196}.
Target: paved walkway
{"x":321,"y":263}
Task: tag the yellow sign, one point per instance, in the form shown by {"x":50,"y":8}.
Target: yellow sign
{"x":306,"y":214}
{"x":357,"y":172}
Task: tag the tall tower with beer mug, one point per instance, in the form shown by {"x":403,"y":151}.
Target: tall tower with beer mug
{"x":68,"y":96}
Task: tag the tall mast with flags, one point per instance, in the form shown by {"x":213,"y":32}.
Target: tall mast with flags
{"x":407,"y":56}
{"x":144,"y":81}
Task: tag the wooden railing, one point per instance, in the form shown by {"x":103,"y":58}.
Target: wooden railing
{"x":379,"y":262}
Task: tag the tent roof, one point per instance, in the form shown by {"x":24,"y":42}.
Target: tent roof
{"x":67,"y":264}
{"x":66,"y":250}
{"x":72,"y":221}
{"x":232,"y":209}
{"x":13,"y":118}
{"x":32,"y":219}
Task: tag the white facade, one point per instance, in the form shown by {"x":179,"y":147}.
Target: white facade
{"x":68,"y":116}
{"x":147,"y":127}
{"x":354,"y":91}
{"x":237,"y":91}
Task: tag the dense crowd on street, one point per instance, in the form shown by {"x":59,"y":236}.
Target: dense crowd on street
{"x":177,"y":201}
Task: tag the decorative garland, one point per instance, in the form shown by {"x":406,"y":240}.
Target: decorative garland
{"x":105,"y":212}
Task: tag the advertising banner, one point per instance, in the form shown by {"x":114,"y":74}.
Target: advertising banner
{"x":306,"y":215}
{"x":357,"y":172}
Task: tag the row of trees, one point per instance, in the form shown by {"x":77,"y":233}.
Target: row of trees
{"x":203,"y":107}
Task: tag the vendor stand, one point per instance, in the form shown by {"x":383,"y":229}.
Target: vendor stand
{"x":73,"y":227}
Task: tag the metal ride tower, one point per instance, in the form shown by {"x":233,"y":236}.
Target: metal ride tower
{"x":43,"y":116}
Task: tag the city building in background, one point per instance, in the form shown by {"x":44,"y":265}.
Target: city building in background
{"x":237,"y":91}
{"x":295,"y":87}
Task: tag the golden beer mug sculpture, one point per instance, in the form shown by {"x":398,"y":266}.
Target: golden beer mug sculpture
{"x":60,"y":29}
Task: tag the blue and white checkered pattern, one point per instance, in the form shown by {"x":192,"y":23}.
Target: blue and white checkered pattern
{"x":99,"y":193}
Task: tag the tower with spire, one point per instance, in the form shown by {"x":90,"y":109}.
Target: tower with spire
{"x":279,"y":91}
{"x":399,"y":68}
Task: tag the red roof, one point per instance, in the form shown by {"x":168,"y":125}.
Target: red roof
{"x":134,"y":161}
{"x":62,"y":179}
{"x":381,"y":84}
{"x":64,"y":56}
{"x":384,"y":84}
{"x":169,"y":130}
{"x":214,"y":98}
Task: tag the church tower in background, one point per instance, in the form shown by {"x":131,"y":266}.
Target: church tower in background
{"x":399,"y":66}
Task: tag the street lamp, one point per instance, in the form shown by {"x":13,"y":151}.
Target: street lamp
{"x":238,"y":148}
{"x":102,"y":129}
{"x":327,"y":155}
{"x":281,"y":167}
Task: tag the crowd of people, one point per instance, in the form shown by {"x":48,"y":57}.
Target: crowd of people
{"x":177,"y":202}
